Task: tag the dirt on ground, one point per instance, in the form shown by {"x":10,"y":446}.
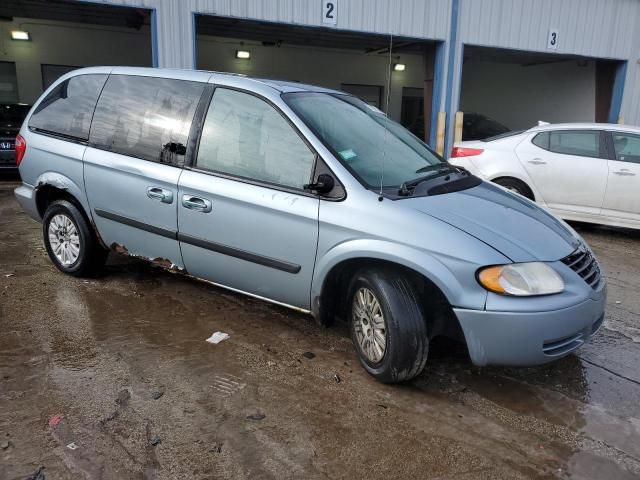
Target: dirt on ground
{"x":112,"y":378}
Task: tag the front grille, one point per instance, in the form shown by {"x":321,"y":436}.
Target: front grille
{"x":584,"y":264}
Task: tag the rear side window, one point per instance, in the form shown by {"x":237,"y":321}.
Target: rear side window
{"x":246,"y":137}
{"x":146,"y":117}
{"x":583,"y":143}
{"x":67,"y":110}
{"x":627,"y":147}
{"x":541,"y":140}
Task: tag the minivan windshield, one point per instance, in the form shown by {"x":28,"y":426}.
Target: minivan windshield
{"x":377,"y":150}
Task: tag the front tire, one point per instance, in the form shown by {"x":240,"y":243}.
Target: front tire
{"x":70,"y":242}
{"x":387,"y":325}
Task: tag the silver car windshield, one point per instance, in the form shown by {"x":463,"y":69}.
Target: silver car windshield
{"x":374,"y":148}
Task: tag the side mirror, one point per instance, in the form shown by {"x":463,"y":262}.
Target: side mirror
{"x":323,"y":184}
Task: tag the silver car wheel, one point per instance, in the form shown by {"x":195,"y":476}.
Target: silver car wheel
{"x":64,"y":239}
{"x":369,"y":325}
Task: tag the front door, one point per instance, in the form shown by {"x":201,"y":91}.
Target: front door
{"x":568,"y":168}
{"x":244,"y":219}
{"x":133,"y":162}
{"x":622,"y":199}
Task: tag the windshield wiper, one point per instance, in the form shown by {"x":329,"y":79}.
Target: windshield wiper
{"x":437,"y":167}
{"x":407,"y":187}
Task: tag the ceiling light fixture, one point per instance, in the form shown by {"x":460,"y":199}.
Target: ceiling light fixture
{"x":244,"y":54}
{"x":20,"y":35}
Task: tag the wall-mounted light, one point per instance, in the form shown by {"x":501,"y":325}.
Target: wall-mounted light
{"x":20,"y":35}
{"x":399,"y":67}
{"x":244,"y":54}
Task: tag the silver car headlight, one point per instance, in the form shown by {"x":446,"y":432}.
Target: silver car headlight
{"x":521,"y":279}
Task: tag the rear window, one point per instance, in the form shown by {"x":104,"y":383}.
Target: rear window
{"x":67,"y":110}
{"x":13,"y":114}
{"x":146,"y":117}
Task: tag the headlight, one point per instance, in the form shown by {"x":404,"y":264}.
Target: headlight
{"x":521,"y":279}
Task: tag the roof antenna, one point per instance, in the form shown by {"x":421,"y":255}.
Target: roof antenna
{"x":386,"y":128}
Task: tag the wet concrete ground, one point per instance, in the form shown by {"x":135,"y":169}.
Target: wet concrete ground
{"x":122,"y":359}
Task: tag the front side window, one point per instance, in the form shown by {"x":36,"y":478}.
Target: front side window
{"x":246,"y":137}
{"x":377,"y":150}
{"x":67,"y":110}
{"x":627,"y":147}
{"x":583,"y":143}
{"x":146,"y":117}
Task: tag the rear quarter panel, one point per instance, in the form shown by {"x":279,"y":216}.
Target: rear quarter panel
{"x":499,"y":159}
{"x":50,"y":161}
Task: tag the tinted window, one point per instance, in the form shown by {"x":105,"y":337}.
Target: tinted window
{"x":478,"y":127}
{"x":245,"y":136}
{"x":68,"y":108}
{"x":627,"y":147}
{"x":579,"y":142}
{"x":13,"y":115}
{"x":146,"y":117}
{"x":541,"y":140}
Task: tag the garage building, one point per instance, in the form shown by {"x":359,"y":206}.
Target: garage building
{"x":514,"y":61}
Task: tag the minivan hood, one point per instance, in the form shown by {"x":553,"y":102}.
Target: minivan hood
{"x":511,"y":224}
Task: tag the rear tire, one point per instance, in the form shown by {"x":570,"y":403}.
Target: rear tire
{"x":515,"y":185}
{"x":70,"y":242}
{"x":395,"y":315}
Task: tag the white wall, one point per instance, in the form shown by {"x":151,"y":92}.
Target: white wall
{"x":318,"y":66}
{"x":519,"y":96}
{"x":72,"y":44}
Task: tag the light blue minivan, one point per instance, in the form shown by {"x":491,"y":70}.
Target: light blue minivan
{"x":308,"y":198}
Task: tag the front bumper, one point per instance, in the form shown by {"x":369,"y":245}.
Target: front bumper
{"x":529,"y":338}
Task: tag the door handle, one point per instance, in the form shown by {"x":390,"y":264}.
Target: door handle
{"x":625,"y":173}
{"x":157,"y":193}
{"x":537,"y":161}
{"x":196,"y":203}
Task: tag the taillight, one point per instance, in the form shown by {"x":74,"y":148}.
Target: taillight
{"x":458,"y":152}
{"x":21,"y":147}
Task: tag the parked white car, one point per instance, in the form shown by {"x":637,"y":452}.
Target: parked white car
{"x":587,"y":172}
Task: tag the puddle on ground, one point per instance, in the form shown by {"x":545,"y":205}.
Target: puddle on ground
{"x":124,"y":359}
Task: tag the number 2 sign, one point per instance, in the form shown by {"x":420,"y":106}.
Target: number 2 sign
{"x":330,"y":11}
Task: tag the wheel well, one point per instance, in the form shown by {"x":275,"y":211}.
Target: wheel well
{"x":517,"y":180}
{"x":333,"y":298}
{"x":47,"y":194}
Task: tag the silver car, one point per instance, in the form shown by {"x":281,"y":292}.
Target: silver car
{"x":309,"y":198}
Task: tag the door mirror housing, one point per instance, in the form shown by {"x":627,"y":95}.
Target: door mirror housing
{"x":323,"y":184}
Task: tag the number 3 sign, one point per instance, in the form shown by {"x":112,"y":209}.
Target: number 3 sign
{"x":552,"y":40}
{"x":330,"y":11}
